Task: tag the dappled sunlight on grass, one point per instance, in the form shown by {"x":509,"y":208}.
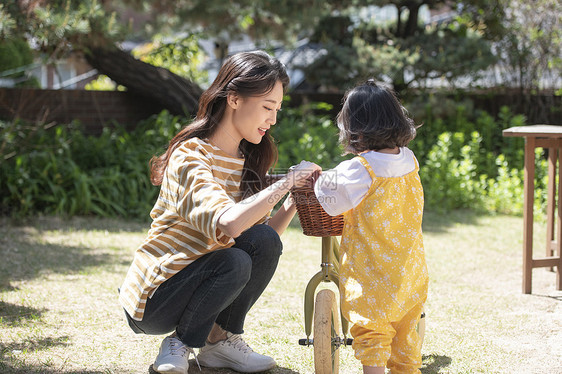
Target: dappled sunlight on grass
{"x":59,"y":311}
{"x":18,"y":315}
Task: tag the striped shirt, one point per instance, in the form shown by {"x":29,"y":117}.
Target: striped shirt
{"x":200,"y":183}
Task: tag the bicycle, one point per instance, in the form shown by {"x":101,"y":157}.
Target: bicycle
{"x":322,"y":316}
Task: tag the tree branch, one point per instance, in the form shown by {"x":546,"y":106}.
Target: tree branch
{"x":177,"y":94}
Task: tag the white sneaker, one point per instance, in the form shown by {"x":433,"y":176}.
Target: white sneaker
{"x":172,"y":357}
{"x":234,"y":353}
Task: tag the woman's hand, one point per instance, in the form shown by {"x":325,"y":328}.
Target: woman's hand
{"x":299,"y":175}
{"x":247,"y":212}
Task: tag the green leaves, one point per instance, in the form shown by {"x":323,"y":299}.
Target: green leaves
{"x":464,"y":161}
{"x":307,"y":133}
{"x":449,"y":173}
{"x":182,"y":56}
{"x":7,"y":23}
{"x":437,"y":58}
{"x":468,"y":164}
{"x":60,"y":26}
{"x":61,"y":171}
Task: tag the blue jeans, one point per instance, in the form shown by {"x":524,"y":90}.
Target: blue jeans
{"x":219,"y":287}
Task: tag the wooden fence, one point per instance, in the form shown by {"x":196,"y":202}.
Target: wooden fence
{"x":96,"y":109}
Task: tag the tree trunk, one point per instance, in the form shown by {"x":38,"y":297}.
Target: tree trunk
{"x":412,"y":22}
{"x":399,"y":21}
{"x":177,"y":94}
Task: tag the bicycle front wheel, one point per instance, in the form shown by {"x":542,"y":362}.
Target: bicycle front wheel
{"x":326,"y":330}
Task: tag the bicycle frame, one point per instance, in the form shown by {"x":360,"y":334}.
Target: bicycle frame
{"x":328,"y":273}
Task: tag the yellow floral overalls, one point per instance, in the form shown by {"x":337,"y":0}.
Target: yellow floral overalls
{"x":383,"y":272}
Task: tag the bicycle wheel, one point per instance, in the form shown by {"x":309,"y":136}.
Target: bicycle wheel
{"x":326,"y":329}
{"x":421,"y":327}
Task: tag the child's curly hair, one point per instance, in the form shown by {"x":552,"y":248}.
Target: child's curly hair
{"x":372,"y":118}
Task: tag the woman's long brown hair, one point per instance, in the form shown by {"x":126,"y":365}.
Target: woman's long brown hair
{"x":246,"y":74}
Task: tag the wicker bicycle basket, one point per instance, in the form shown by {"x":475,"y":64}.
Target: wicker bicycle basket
{"x":313,"y":218}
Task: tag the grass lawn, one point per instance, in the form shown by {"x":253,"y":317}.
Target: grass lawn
{"x":59,"y":310}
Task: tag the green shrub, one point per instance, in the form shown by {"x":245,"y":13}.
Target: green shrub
{"x":462,"y":118}
{"x":449,"y":173}
{"x":307,"y":133}
{"x":505,"y":193}
{"x":61,"y":171}
{"x":464,"y":161}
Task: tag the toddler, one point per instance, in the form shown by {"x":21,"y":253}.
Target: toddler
{"x":383,"y":273}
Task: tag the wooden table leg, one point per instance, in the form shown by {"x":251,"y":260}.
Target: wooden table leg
{"x":551,"y":202}
{"x":559,"y":225}
{"x":529,"y":195}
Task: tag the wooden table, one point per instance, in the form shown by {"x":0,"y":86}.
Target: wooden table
{"x":550,"y":137}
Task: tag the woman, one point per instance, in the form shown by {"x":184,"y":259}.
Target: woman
{"x":212,"y":247}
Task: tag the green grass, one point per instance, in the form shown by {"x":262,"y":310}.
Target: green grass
{"x":59,"y":310}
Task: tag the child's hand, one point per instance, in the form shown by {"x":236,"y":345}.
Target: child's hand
{"x":300,"y":175}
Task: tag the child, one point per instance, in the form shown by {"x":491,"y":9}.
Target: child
{"x":383,"y":272}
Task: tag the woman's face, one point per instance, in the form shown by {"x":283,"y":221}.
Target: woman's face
{"x":254,"y":115}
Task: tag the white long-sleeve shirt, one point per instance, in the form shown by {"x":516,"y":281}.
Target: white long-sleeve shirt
{"x":343,"y":187}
